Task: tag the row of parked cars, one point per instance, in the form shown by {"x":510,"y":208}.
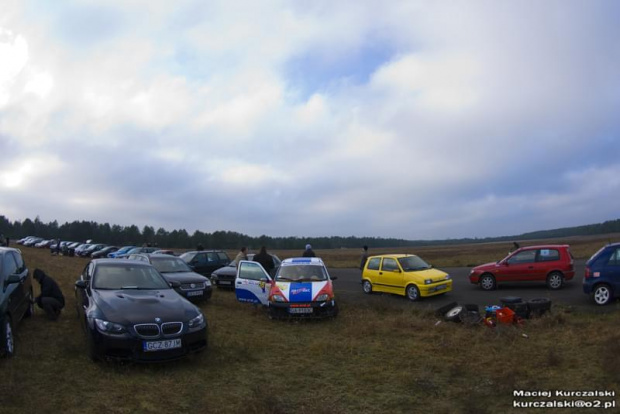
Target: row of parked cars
{"x":143,"y":307}
{"x":553,"y":265}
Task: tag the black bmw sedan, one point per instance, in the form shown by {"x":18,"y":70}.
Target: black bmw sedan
{"x":129,"y":311}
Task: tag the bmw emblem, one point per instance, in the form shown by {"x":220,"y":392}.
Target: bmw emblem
{"x":158,"y":320}
{"x":193,"y":285}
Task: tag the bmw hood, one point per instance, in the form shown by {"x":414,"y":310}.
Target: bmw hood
{"x":129,"y":307}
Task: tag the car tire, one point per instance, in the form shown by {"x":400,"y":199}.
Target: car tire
{"x":413,"y":293}
{"x":539,"y":306}
{"x":367,"y":287}
{"x":555,"y":280}
{"x":602,"y":294}
{"x":335,"y":310}
{"x":30,"y":309}
{"x":8,"y":338}
{"x":487,"y":282}
{"x":90,"y":347}
{"x":454,"y":314}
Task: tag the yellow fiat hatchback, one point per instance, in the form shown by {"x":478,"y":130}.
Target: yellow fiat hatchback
{"x":404,"y":274}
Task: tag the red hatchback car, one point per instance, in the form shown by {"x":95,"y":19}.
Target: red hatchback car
{"x":552,"y":264}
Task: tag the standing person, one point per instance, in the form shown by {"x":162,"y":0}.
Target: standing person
{"x":264,"y":259}
{"x":364,"y":257}
{"x":2,"y":240}
{"x":51,"y":299}
{"x":242,"y":255}
{"x":308,"y":252}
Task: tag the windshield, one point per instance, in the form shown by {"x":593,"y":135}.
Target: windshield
{"x":412,"y":263}
{"x":170,"y":265}
{"x":301,"y":273}
{"x":187,"y":256}
{"x":128,"y":277}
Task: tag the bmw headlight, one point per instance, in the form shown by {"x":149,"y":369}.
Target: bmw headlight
{"x":109,"y":327}
{"x":428,"y":281}
{"x":197,"y":321}
{"x":448,"y":277}
{"x":322,"y":298}
{"x":207,"y":283}
{"x":278,"y":298}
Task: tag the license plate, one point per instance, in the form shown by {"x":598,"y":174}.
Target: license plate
{"x":300,"y":310}
{"x":440,"y":287}
{"x":225,"y":282}
{"x":195,"y":293}
{"x":149,"y":346}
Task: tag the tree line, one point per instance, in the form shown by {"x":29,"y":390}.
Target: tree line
{"x":181,"y":239}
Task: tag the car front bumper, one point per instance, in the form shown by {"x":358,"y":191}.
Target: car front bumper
{"x":304,"y":309}
{"x":435,"y":288}
{"x":129,"y":347}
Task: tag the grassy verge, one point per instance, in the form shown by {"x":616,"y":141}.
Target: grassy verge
{"x":379,"y":355}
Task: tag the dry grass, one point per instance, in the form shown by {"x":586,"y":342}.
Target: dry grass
{"x":379,"y":355}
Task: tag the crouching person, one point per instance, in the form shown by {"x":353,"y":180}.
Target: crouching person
{"x":51,"y":299}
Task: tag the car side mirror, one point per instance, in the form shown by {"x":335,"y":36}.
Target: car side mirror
{"x":333,"y":277}
{"x":81,"y":284}
{"x":12,"y":279}
{"x":175,"y":284}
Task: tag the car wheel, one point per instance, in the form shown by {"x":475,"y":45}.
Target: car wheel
{"x":90,"y":347}
{"x":413,"y":293}
{"x":487,"y":282}
{"x":8,"y":339}
{"x":555,"y":280}
{"x":30,"y":310}
{"x":367,"y":286}
{"x":335,"y":311}
{"x":454,"y":314}
{"x":602,"y":294}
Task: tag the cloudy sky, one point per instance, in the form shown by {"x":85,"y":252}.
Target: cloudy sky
{"x":410,"y":119}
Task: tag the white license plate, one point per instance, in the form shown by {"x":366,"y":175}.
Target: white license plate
{"x":195,"y":293}
{"x":300,"y":310}
{"x":440,"y":287}
{"x":225,"y":282}
{"x":149,"y":346}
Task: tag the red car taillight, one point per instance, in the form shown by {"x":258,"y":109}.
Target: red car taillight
{"x":588,"y":273}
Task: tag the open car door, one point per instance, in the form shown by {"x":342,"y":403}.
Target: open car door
{"x":252,"y":284}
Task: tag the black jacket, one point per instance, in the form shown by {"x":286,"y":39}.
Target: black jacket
{"x":309,"y":253}
{"x":265,"y":260}
{"x":49,"y":287}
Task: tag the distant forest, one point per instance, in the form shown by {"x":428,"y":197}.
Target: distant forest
{"x":132,"y":235}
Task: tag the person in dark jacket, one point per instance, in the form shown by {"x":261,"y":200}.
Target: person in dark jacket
{"x":51,"y":299}
{"x":264,"y":259}
{"x":364,"y":257}
{"x":308,"y":252}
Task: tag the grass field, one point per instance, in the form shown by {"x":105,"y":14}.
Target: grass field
{"x":379,"y":355}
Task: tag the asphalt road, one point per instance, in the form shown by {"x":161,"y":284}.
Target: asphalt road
{"x":348,"y":287}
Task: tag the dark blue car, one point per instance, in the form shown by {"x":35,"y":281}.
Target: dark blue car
{"x":602,"y":277}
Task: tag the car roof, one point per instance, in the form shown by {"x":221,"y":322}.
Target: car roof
{"x":9,"y":249}
{"x":393,"y":255}
{"x":205,"y":251}
{"x":545,"y":246}
{"x":316,"y":261}
{"x":119,"y":262}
